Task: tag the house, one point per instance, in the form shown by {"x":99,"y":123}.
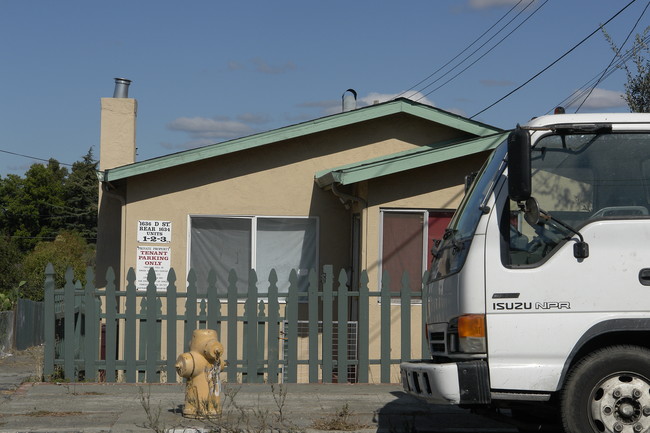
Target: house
{"x":364,"y":189}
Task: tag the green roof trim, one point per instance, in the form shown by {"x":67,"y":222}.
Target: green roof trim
{"x":400,"y":105}
{"x":407,"y":160}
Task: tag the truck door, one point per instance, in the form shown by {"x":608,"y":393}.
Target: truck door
{"x":541,"y":299}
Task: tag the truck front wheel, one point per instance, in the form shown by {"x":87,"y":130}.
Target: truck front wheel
{"x":609,"y":391}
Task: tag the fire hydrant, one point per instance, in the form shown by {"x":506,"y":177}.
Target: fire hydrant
{"x":201,"y":367}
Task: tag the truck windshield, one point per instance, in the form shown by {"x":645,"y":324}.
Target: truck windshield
{"x":452,"y":251}
{"x":579,"y":178}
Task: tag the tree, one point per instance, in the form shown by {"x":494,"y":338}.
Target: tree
{"x":81,"y":195}
{"x":637,"y":87}
{"x":33,"y":206}
{"x":10,"y":265}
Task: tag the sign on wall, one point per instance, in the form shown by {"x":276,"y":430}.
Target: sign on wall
{"x":154,"y":232}
{"x":154,"y":257}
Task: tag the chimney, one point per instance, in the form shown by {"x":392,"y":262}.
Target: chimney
{"x":349,"y":100}
{"x":117,"y":137}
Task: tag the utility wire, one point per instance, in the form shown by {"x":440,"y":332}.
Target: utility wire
{"x":465,"y":49}
{"x":554,"y":62}
{"x":616,"y":55}
{"x":484,"y":54}
{"x":33,"y":157}
{"x":578,"y":94}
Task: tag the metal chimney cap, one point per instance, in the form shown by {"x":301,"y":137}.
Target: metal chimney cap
{"x":349,"y":100}
{"x":121,"y":88}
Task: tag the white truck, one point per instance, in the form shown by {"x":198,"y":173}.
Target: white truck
{"x":539,"y":292}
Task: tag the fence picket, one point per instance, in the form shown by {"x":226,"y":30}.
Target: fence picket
{"x":231,"y":351}
{"x":424,"y":292}
{"x":313,"y":325}
{"x":152,"y":338}
{"x":405,"y":315}
{"x":291,"y":367}
{"x":90,"y":331}
{"x":250,"y":332}
{"x":385,"y":328}
{"x":172,"y":318}
{"x":342,"y":328}
{"x":328,"y":300}
{"x":364,"y":329}
{"x":190,"y":309}
{"x":214,"y":306}
{"x":49,"y":334}
{"x":111,"y":325}
{"x":273,"y":333}
{"x":69,"y":313}
{"x":130,"y":327}
{"x":263,"y":336}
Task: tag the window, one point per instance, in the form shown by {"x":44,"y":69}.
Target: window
{"x":261,"y":243}
{"x":407,"y":239}
{"x":577,"y":179}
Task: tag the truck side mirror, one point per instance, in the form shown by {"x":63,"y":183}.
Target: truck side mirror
{"x":519,"y":177}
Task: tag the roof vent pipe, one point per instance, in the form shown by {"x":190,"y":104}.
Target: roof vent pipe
{"x":349,"y":100}
{"x":121,"y":88}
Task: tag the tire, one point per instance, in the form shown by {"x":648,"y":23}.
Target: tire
{"x":609,"y":391}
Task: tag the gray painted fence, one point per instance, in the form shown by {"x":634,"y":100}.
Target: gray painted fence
{"x":83,"y":342}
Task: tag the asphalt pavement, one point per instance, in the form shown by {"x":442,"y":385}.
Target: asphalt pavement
{"x":27,"y":406}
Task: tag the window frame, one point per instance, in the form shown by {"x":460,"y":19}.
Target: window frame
{"x":426,"y":214}
{"x":253,"y":247}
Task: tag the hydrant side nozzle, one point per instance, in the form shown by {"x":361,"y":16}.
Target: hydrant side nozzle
{"x":213,"y":350}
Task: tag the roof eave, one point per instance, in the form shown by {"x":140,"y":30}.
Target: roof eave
{"x":404,"y":161}
{"x":293,"y":131}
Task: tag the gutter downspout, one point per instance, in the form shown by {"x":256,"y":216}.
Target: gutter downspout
{"x":353,"y":307}
{"x":108,"y":189}
{"x":348,"y":197}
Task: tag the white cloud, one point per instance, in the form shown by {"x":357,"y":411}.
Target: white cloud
{"x":375,"y":97}
{"x":210,"y":128}
{"x":264,"y":67}
{"x":255,"y":118}
{"x":601,"y":99}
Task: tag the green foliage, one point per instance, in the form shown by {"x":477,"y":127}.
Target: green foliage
{"x":637,"y":87}
{"x":39,"y":213}
{"x":9,"y":298}
{"x":80,"y":191}
{"x":69,"y":249}
{"x":10,"y":264}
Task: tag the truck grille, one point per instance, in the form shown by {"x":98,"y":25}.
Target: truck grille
{"x":437,"y":342}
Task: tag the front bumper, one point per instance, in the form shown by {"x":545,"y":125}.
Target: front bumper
{"x":465,"y":382}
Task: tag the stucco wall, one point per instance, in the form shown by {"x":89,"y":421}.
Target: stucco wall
{"x":273,"y":180}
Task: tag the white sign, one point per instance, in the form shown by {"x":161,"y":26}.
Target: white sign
{"x":154,"y":232}
{"x":154,"y":257}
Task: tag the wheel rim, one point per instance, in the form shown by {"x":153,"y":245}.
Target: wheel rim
{"x":621,"y":404}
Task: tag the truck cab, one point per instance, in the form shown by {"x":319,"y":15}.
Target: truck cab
{"x":539,"y":291}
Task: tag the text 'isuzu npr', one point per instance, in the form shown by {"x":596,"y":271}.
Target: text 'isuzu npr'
{"x":539,"y":291}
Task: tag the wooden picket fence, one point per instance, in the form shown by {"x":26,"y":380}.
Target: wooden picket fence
{"x":110,"y":334}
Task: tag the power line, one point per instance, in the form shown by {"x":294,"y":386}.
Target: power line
{"x":578,"y":94}
{"x":554,"y":62}
{"x":465,"y":49}
{"x":616,"y":54}
{"x":487,"y":52}
{"x":33,"y":157}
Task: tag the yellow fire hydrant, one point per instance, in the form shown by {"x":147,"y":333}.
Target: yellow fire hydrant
{"x":201,"y":367}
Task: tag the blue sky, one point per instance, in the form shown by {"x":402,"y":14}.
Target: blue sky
{"x":209,"y":71}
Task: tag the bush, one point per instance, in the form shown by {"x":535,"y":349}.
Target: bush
{"x":69,"y":249}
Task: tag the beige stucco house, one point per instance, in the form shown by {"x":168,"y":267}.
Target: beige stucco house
{"x":365,"y":189}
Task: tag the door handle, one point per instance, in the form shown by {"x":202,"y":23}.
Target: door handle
{"x":644,"y":276}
